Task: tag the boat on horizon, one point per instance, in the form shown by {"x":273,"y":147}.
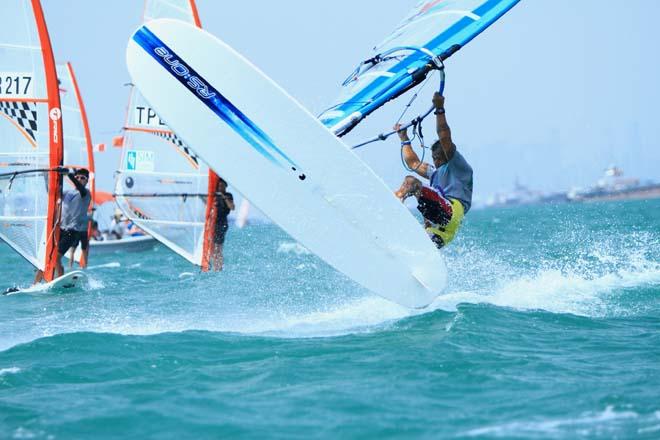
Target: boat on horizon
{"x":613,"y":185}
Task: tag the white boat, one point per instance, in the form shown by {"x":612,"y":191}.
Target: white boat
{"x":135,"y":243}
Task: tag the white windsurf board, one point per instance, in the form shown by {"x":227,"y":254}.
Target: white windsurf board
{"x":276,"y":153}
{"x":68,"y":281}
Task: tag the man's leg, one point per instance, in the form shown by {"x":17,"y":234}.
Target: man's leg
{"x":217,"y":257}
{"x":38,"y":277}
{"x":83,"y":260}
{"x":58,"y":265}
{"x":84,"y":248}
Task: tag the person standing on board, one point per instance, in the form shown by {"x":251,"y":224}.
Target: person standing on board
{"x":444,"y":203}
{"x":224,"y":204}
{"x":73,"y":221}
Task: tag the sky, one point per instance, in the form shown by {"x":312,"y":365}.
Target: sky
{"x":551,"y":94}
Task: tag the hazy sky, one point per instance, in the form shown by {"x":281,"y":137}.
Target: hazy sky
{"x":552,"y":93}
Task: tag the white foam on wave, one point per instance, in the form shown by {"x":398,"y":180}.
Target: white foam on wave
{"x":94,"y":284}
{"x":605,"y":422}
{"x":554,"y":291}
{"x":10,"y":370}
{"x":589,"y":284}
{"x":111,"y":265}
{"x":292,"y":248}
{"x":359,"y":316}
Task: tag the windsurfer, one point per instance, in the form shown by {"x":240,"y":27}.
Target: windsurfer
{"x":448,"y":198}
{"x":224,"y":203}
{"x":73,"y":223}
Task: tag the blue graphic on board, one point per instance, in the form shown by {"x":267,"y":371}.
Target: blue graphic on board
{"x":213,"y":99}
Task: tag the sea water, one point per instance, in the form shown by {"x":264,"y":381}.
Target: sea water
{"x":549,"y":328}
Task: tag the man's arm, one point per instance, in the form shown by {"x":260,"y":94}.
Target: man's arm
{"x":442,"y":128}
{"x":229,"y":199}
{"x":79,"y":186}
{"x":409,"y":156}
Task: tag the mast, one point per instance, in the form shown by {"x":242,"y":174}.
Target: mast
{"x":211,"y":214}
{"x":55,"y":135}
{"x":209,"y":225}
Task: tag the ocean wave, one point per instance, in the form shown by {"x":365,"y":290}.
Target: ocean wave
{"x":10,"y":370}
{"x":591,"y":281}
{"x":608,"y":422}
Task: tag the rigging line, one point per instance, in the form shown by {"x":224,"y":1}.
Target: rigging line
{"x":33,"y":171}
{"x":384,"y":136}
{"x":414,"y":97}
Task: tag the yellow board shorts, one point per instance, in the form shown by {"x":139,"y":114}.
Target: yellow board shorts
{"x":443,"y":235}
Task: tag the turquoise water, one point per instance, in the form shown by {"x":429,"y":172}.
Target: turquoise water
{"x":550,"y":328}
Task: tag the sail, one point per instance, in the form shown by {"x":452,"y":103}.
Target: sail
{"x":434,"y":28}
{"x":30,"y":136}
{"x":161,"y":185}
{"x":78,"y":147}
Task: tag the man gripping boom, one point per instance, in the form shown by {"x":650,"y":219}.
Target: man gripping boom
{"x":444,"y":203}
{"x":73,"y":224}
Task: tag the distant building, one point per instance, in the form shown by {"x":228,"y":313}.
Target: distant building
{"x":614,"y":186}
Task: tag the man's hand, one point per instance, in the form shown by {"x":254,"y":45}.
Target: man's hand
{"x":438,"y":100}
{"x":403,"y":134}
{"x":61,"y":170}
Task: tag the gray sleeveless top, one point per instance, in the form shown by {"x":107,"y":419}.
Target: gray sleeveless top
{"x":453,"y":179}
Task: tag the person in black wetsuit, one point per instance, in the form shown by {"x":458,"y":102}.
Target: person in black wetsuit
{"x":224,"y":203}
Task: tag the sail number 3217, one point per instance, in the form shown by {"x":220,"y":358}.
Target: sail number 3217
{"x":15,"y":84}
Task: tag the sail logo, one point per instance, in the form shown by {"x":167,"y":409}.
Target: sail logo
{"x":182,"y":71}
{"x":55,"y":115}
{"x":140,"y":160}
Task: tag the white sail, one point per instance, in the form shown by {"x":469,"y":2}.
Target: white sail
{"x":30,"y":136}
{"x":161,"y":185}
